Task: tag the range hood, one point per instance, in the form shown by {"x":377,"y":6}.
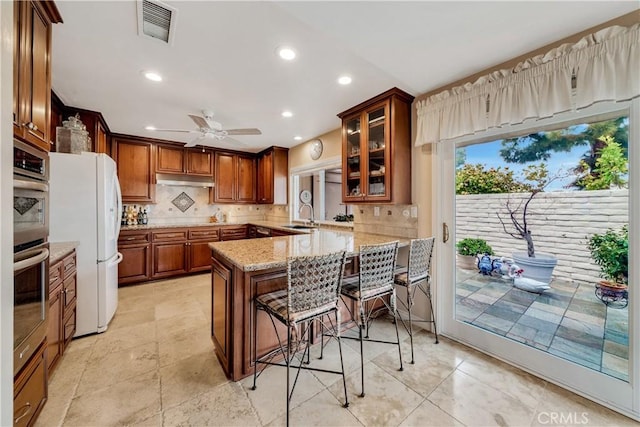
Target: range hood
{"x":184,"y":180}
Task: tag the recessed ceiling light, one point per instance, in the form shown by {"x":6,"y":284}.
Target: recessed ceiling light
{"x":287,"y":114}
{"x":153,"y":76}
{"x":150,"y":128}
{"x":297,"y":138}
{"x":286,"y":53}
{"x":344,"y":80}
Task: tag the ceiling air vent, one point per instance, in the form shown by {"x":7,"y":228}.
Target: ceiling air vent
{"x":156,"y":20}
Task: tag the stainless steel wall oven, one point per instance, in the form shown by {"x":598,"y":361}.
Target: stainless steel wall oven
{"x":31,"y":251}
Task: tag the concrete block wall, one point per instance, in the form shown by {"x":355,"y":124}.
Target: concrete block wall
{"x":561,"y":224}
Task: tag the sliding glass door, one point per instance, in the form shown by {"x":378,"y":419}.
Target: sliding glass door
{"x":538,"y":215}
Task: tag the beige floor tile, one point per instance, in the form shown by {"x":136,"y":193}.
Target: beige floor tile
{"x":136,"y":303}
{"x":387,"y":401}
{"x":125,"y":337}
{"x":190,"y":377}
{"x":476,"y":404}
{"x":192,"y":342}
{"x":173,"y":328}
{"x":269,"y":398}
{"x":106,"y":369}
{"x":153,"y":421}
{"x":575,"y":410}
{"x":82,"y":344}
{"x":176,"y":307}
{"x":123,"y":403}
{"x":224,"y":405}
{"x":331,"y":361}
{"x":518,"y":384}
{"x":323,"y":409}
{"x":131,"y":318}
{"x":429,"y":415}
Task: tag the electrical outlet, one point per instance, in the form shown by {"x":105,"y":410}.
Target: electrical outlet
{"x":414,"y":212}
{"x":376,"y":211}
{"x":405,"y":213}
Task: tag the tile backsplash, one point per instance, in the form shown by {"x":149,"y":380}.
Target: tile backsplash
{"x":165,"y":212}
{"x":392,"y":220}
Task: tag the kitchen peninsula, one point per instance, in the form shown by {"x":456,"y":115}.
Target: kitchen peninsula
{"x":242,"y":269}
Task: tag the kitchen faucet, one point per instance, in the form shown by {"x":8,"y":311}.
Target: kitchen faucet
{"x":312,"y":221}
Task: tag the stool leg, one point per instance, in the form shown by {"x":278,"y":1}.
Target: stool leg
{"x":360,"y":330}
{"x":288,"y":357}
{"x":395,"y":316}
{"x":409,"y":306}
{"x":255,"y":343}
{"x":433,"y":316}
{"x":344,"y":380}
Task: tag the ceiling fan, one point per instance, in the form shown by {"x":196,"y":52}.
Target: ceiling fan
{"x":210,"y":129}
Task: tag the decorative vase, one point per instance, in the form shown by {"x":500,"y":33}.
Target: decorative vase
{"x":539,"y":268}
{"x":467,"y":262}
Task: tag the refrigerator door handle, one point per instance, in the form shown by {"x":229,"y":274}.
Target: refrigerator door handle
{"x":118,"y":217}
{"x":118,"y":259}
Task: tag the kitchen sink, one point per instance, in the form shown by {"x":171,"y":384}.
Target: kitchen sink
{"x":299,"y":226}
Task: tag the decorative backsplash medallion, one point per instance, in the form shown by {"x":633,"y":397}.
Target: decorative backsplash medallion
{"x":183,"y":202}
{"x":23,"y":204}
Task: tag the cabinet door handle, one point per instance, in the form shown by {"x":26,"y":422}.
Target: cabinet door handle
{"x":131,"y":238}
{"x":24,"y":351}
{"x":31,"y":126}
{"x":26,"y":408}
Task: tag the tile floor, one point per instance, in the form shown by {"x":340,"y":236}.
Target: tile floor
{"x":567,"y":320}
{"x":155,"y":366}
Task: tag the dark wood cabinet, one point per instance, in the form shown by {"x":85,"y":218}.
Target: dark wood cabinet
{"x":235,"y":178}
{"x":135,"y":247}
{"x":62,"y":308}
{"x":169,"y":259}
{"x":273,"y":176}
{"x":32,"y":71}
{"x":178,"y":160}
{"x":30,"y":389}
{"x":97,"y":128}
{"x":376,"y":150}
{"x":199,"y":251}
{"x":234,"y":232}
{"x":135,"y":162}
{"x":221,"y":318}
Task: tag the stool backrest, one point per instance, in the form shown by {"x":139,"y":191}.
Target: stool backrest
{"x":420,"y":254}
{"x":377,"y":265}
{"x":314,"y":281}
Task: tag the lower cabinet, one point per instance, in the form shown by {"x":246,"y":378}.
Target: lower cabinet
{"x":135,"y":247}
{"x":30,"y":389}
{"x":169,"y":259}
{"x":62,"y":308}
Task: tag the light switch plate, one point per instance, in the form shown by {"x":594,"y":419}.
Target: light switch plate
{"x":414,"y":212}
{"x":376,"y":211}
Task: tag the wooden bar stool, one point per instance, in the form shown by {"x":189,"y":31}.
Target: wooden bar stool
{"x":417,"y":276}
{"x":313,"y":289}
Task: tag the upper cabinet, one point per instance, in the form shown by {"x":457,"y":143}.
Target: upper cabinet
{"x":273,"y":176}
{"x":134,"y":159}
{"x":32,"y":71}
{"x":235,"y":178}
{"x":178,"y":160}
{"x":376,"y":150}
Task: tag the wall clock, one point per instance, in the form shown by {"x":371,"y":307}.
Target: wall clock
{"x":315,"y":150}
{"x":305,"y":196}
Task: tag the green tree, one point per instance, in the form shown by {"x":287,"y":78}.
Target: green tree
{"x":540,"y":145}
{"x":610,"y":169}
{"x":475,"y":179}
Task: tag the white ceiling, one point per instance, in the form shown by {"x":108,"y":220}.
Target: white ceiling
{"x":224,"y":58}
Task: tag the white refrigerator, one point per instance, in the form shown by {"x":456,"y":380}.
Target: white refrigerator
{"x":85,"y":205}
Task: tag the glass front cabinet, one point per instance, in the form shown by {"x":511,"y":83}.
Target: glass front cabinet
{"x":376,"y":150}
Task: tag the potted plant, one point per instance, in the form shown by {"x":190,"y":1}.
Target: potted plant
{"x":537,"y":267}
{"x":610,"y":251}
{"x":468,"y":249}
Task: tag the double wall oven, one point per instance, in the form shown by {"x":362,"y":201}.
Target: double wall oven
{"x":31,"y":251}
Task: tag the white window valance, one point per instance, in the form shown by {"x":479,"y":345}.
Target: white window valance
{"x":603,"y":66}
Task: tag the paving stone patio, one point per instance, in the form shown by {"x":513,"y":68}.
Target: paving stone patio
{"x":567,"y":321}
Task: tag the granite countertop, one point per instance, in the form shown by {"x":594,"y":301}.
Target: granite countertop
{"x":269,"y":224}
{"x":272,"y":252}
{"x":58,"y":250}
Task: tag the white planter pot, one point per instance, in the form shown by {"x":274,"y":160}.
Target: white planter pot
{"x":539,"y":268}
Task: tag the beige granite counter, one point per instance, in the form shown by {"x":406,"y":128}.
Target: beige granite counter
{"x":58,"y":250}
{"x":270,"y":224}
{"x":272,"y":252}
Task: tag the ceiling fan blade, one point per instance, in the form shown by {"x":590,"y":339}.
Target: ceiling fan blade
{"x":246,"y":131}
{"x":229,"y":140}
{"x":200,"y":122}
{"x":172,"y":130}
